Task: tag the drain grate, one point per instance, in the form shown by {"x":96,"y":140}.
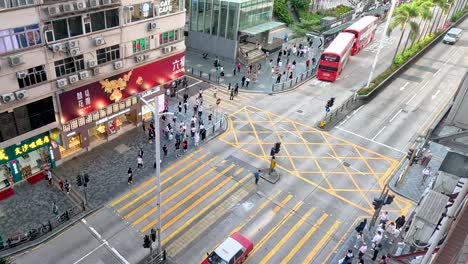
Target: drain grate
{"x":346,"y":164}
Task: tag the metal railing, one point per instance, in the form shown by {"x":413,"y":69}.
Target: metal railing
{"x":291,"y":83}
{"x":35,"y":231}
{"x":203,"y":75}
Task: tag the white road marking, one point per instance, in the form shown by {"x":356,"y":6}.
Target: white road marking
{"x":349,"y":116}
{"x":435,"y":95}
{"x":404,"y":86}
{"x":399,"y":111}
{"x":424,"y":86}
{"x":437,"y":72}
{"x":411,"y":99}
{"x":91,"y":252}
{"x":371,"y":140}
{"x":104,"y":242}
{"x":378,"y":133}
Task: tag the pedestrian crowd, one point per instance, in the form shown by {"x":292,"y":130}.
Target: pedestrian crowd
{"x":386,"y":231}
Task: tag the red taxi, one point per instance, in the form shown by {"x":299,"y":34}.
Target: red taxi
{"x":234,"y":250}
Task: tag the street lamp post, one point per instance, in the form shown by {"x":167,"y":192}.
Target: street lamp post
{"x":387,"y":23}
{"x":157,"y":155}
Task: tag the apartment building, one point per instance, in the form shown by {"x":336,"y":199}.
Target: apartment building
{"x":69,"y":70}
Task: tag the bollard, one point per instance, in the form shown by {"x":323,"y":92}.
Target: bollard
{"x":200,"y":74}
{"x":282,"y":86}
{"x":209,"y":76}
{"x":342,"y":108}
{"x":192,"y":70}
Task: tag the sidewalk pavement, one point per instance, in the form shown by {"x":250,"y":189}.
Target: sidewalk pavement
{"x":411,"y":188}
{"x":107,"y":167}
{"x":265,"y":77}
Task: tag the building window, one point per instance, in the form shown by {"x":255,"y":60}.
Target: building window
{"x":66,"y":28}
{"x":104,"y":19}
{"x":19,"y":38}
{"x":141,"y":12}
{"x":170,"y":36}
{"x":34,"y":76}
{"x":140,"y":45}
{"x":108,"y":54}
{"x":69,"y":65}
{"x":4,"y":4}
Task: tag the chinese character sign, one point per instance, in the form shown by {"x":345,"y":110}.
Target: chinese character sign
{"x":26,"y":146}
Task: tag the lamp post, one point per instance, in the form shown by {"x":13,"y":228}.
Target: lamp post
{"x":157,"y":156}
{"x":387,"y":23}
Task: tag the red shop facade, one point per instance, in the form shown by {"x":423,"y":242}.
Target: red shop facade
{"x":100,"y":111}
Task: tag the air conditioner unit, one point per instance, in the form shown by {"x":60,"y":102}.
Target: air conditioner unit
{"x":73,"y":44}
{"x":173,"y":48}
{"x":68,"y":7}
{"x":62,"y":82}
{"x":83,"y":75}
{"x":74,"y":52}
{"x":15,"y":60}
{"x":93,"y":3}
{"x":139,"y":58}
{"x":8,"y":98}
{"x":128,"y":8}
{"x":73,"y":78}
{"x":151,"y":26}
{"x":118,"y":65}
{"x":107,"y":2}
{"x":53,"y":10}
{"x":99,"y":41}
{"x":166,"y":50}
{"x":147,"y":56}
{"x":21,"y":94}
{"x":56,"y":47}
{"x":92,"y":64}
{"x":21,"y":75}
{"x":80,"y":5}
{"x":96,"y":71}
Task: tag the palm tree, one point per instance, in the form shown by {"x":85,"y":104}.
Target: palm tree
{"x":425,"y":14}
{"x":444,"y":6}
{"x":403,"y":16}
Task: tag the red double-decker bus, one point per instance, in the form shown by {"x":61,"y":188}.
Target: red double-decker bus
{"x":335,"y":57}
{"x":364,"y":31}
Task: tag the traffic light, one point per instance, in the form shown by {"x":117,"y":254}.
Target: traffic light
{"x":332,"y":101}
{"x":146,"y":242}
{"x":86,"y":180}
{"x":272,"y":152}
{"x":78,"y":180}
{"x":410,"y":153}
{"x":277,"y":147}
{"x":153,"y":234}
{"x":389,"y":199}
{"x":377,"y":203}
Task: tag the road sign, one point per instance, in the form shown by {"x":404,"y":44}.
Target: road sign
{"x":218,"y":101}
{"x":327,"y":109}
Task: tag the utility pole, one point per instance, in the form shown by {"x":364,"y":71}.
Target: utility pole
{"x":445,"y":225}
{"x":378,"y":205}
{"x":376,"y":58}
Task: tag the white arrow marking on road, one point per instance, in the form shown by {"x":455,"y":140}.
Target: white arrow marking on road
{"x":424,"y":86}
{"x":399,"y":111}
{"x":378,"y":133}
{"x":435,"y":95}
{"x":404,"y":86}
{"x":411,"y":99}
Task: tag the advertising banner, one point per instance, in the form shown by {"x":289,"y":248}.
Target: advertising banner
{"x":98,"y":95}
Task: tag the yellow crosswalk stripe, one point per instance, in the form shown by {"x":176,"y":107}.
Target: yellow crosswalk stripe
{"x":238,"y":171}
{"x":304,"y":239}
{"x":139,"y":197}
{"x":188,"y":197}
{"x":146,"y":183}
{"x":205,"y":209}
{"x":283,"y":203}
{"x":274,"y":229}
{"x":322,"y":241}
{"x":225,"y":104}
{"x":165,"y":190}
{"x":286,"y":237}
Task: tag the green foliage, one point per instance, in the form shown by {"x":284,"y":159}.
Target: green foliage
{"x":400,"y":59}
{"x":280,"y":9}
{"x":300,"y":4}
{"x":5,"y":260}
{"x":337,"y":11}
{"x":459,"y":14}
{"x":304,"y":27}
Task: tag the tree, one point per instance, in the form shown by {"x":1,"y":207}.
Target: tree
{"x":444,"y":6}
{"x":305,"y":27}
{"x":5,"y":260}
{"x":300,"y":4}
{"x":424,"y":8}
{"x":403,"y":16}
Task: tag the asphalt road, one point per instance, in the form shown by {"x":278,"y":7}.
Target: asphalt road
{"x":328,"y":180}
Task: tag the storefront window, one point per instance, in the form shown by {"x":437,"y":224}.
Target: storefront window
{"x":97,"y":133}
{"x":74,"y":145}
{"x":5,"y":176}
{"x":34,"y":162}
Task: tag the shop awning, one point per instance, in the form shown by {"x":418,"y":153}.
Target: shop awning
{"x":261,"y":28}
{"x":337,"y":29}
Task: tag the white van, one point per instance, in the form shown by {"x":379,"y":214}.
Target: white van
{"x":452,"y":36}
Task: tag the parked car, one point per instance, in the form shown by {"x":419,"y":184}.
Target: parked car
{"x":234,"y":250}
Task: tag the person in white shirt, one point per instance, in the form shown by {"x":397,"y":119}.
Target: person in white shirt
{"x":383,"y":217}
{"x":362,"y":250}
{"x":359,"y":239}
{"x":376,"y":239}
